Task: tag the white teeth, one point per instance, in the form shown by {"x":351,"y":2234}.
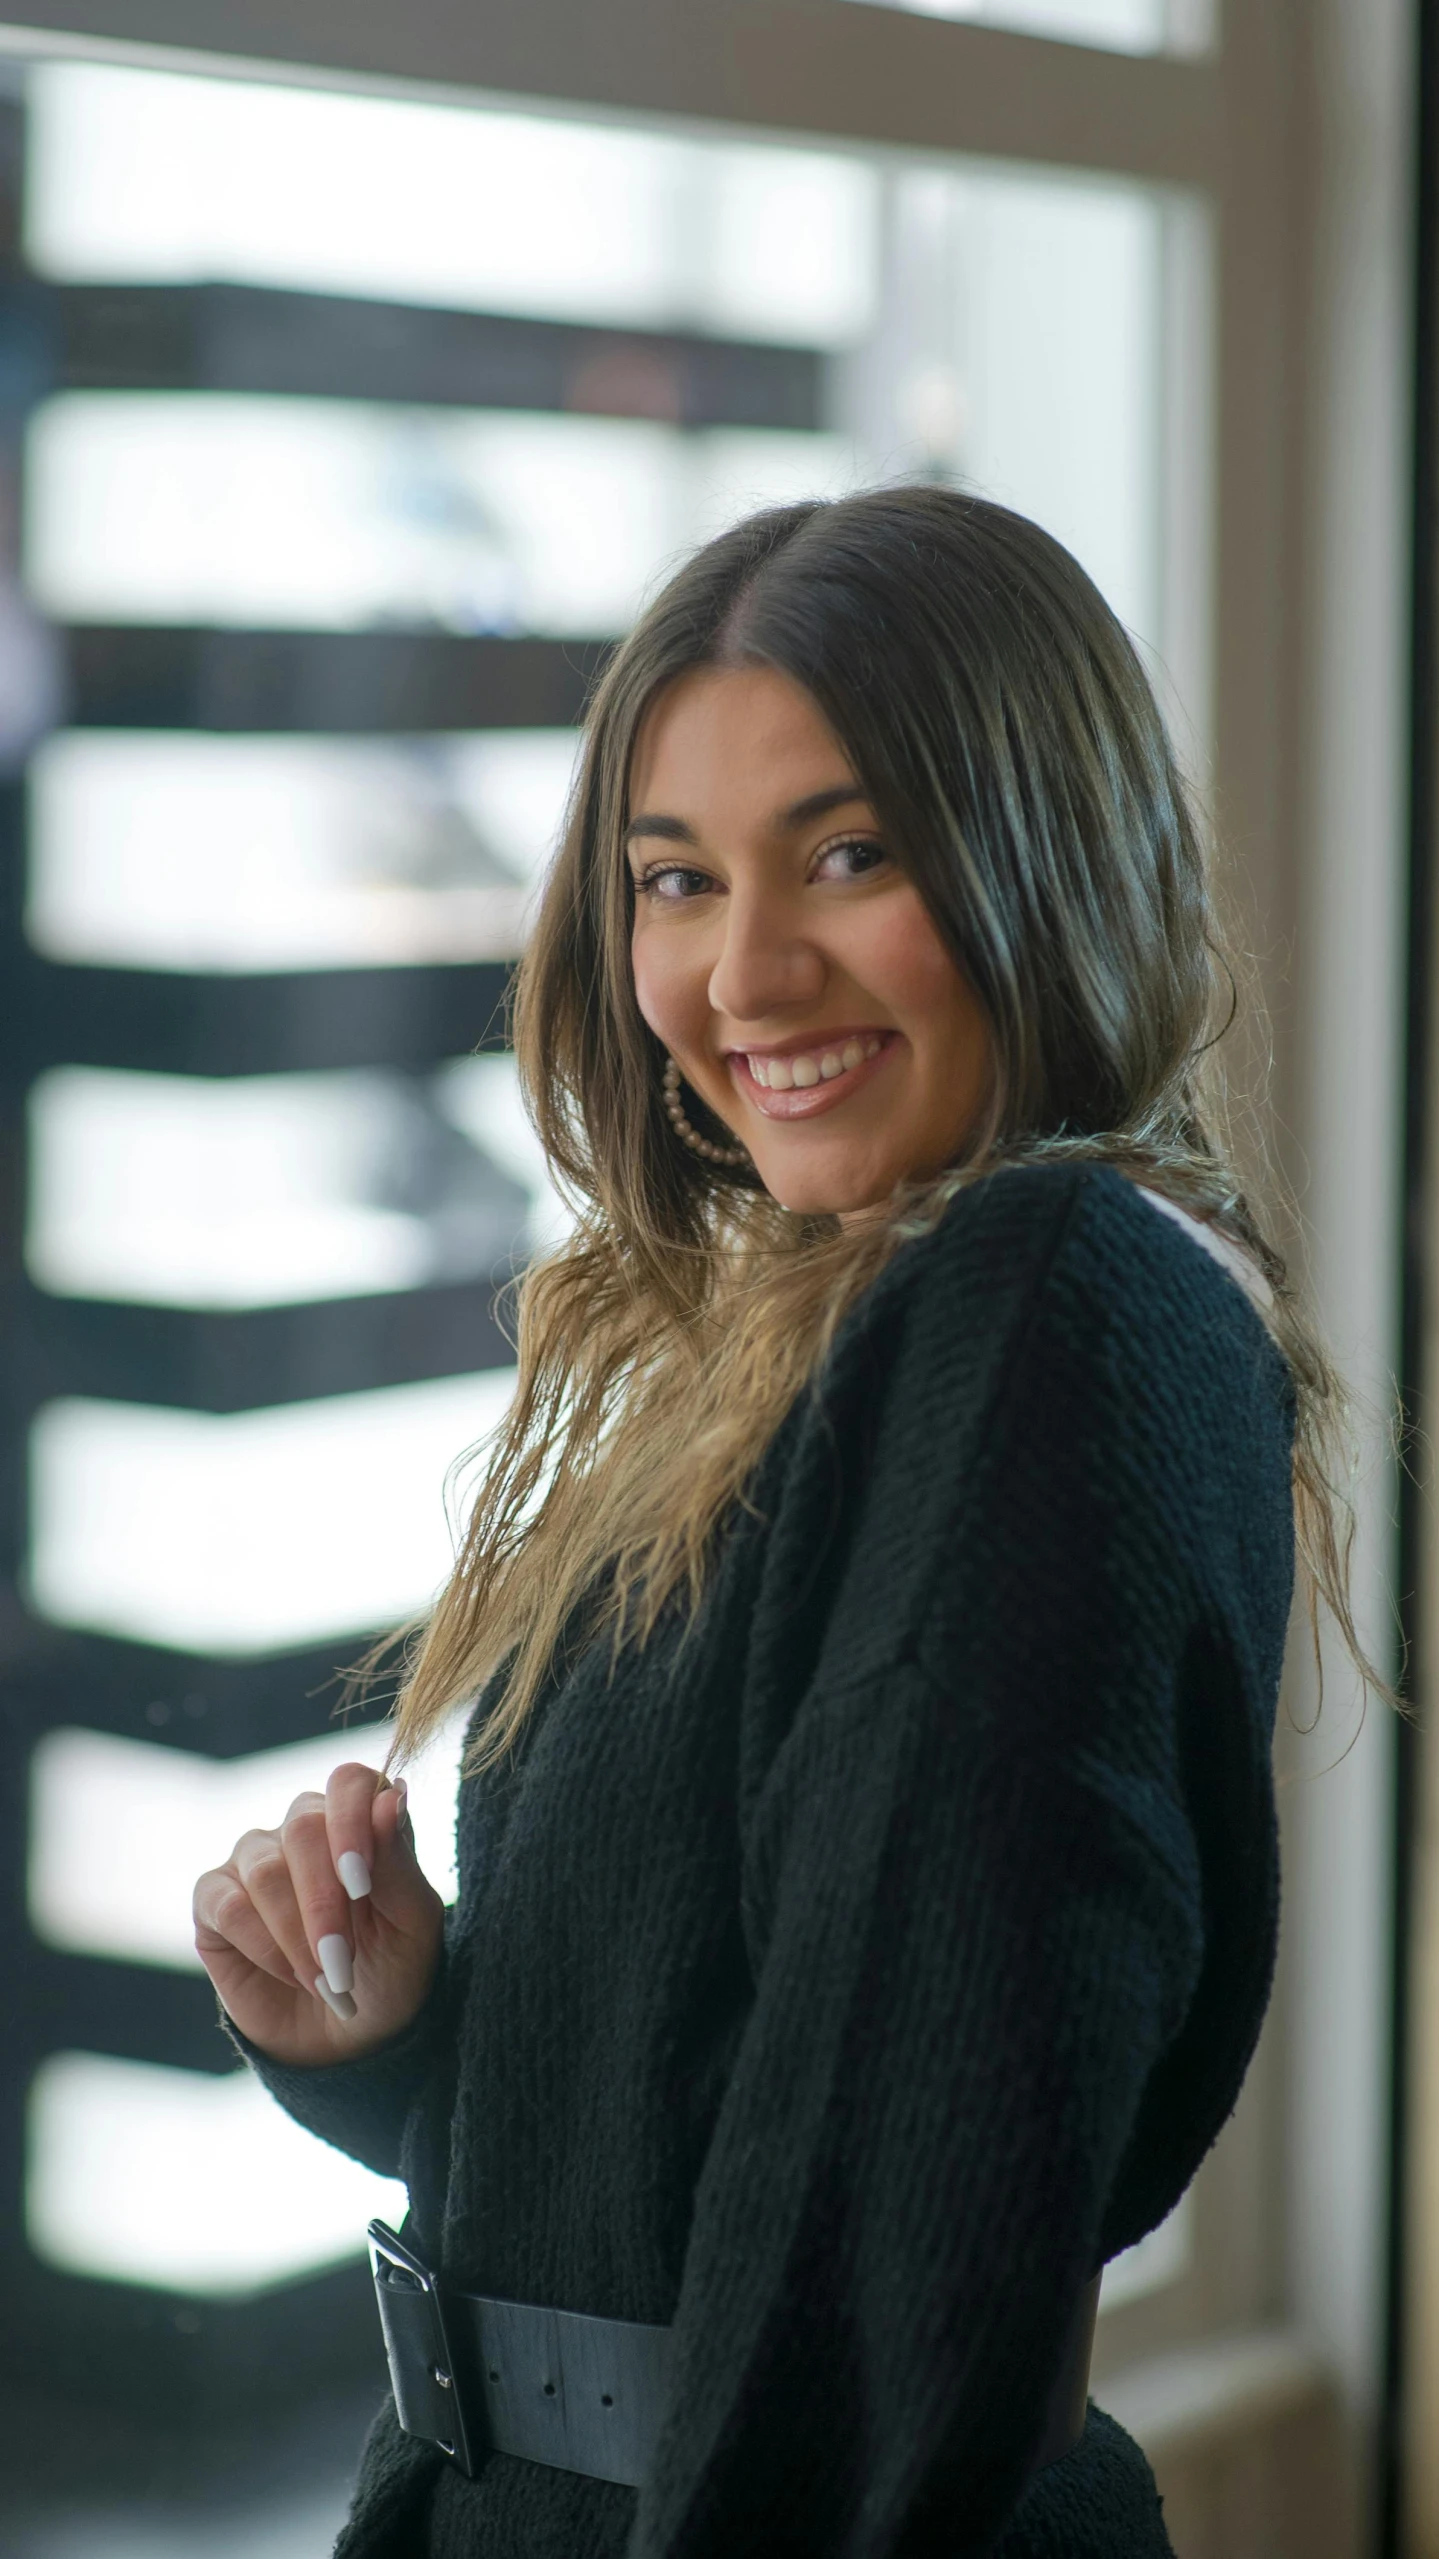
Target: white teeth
{"x":785,"y":1074}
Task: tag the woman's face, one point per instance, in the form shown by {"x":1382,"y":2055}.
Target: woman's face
{"x":784,"y":958}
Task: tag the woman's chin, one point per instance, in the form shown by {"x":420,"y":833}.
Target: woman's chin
{"x":829,"y":1190}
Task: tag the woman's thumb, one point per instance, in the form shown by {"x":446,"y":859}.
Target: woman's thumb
{"x":399,"y":1883}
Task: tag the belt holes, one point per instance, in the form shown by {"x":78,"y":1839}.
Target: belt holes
{"x":605,"y":2399}
{"x":494,"y":2374}
{"x":549,"y":2390}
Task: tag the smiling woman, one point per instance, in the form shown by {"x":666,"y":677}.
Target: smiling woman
{"x":1010,"y":897}
{"x":875,"y":1600}
{"x":785,"y":956}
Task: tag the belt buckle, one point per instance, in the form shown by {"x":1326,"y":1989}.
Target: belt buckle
{"x":423,"y":2375}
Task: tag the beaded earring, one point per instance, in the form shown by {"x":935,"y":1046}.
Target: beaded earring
{"x":690,"y":1137}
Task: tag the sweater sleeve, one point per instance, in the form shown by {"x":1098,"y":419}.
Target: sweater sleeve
{"x":364,"y":2107}
{"x":976,"y":1904}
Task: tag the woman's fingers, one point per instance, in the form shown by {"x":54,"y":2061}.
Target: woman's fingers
{"x":262,"y":1865}
{"x":226,"y":1921}
{"x":349,"y":1819}
{"x":291,"y":1878}
{"x":403,"y":1891}
{"x":367,"y":1816}
{"x":295,"y":1949}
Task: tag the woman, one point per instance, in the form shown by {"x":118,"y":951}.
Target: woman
{"x":876,"y":1603}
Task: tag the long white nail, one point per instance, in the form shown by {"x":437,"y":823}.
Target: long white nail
{"x":353,"y":1872}
{"x":339,"y":2000}
{"x":337,"y":1964}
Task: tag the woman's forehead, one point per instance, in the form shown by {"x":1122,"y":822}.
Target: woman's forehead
{"x":734,"y":737}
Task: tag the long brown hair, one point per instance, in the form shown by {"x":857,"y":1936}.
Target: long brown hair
{"x":1002,"y":727}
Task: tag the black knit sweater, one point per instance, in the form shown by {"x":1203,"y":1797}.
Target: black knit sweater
{"x":845,"y":1982}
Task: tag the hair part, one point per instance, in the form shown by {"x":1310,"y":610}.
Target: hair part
{"x":1001,"y":725}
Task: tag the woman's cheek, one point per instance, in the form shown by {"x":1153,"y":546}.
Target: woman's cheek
{"x":661,"y":987}
{"x":900,"y":958}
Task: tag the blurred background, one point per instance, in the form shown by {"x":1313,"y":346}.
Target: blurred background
{"x":360,"y":375}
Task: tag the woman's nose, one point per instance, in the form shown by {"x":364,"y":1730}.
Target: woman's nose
{"x":766,"y":963}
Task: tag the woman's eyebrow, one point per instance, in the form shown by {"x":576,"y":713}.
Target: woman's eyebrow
{"x":673,"y":830}
{"x":843,"y":795}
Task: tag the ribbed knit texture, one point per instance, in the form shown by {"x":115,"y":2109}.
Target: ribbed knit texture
{"x":845,"y":1982}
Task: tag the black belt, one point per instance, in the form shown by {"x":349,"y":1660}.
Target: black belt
{"x":474,"y":2376}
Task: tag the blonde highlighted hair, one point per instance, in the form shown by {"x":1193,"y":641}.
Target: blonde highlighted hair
{"x":1004,"y":731}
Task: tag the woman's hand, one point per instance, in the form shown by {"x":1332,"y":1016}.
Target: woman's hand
{"x":322,"y":1937}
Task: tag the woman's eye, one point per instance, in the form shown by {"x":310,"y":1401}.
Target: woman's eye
{"x":850,"y":859}
{"x":672,"y":881}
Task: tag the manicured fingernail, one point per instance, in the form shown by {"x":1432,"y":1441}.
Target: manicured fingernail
{"x":339,"y":2000}
{"x":337,"y":1963}
{"x":353,"y":1872}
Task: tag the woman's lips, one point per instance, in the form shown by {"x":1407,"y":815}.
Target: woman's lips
{"x":805,"y":1101}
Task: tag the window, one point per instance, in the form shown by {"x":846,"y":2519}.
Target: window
{"x":429,"y":411}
